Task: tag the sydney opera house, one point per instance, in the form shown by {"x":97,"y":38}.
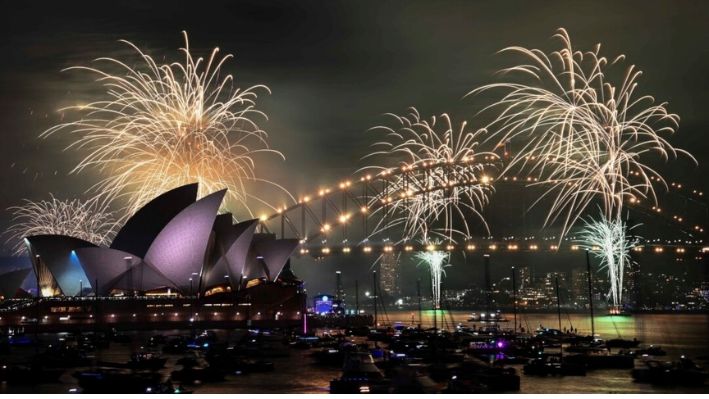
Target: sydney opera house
{"x":175,"y":260}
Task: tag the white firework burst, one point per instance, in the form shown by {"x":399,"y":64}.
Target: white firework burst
{"x":433,"y":177}
{"x":435,"y":261}
{"x":611,"y":243}
{"x":87,"y":220}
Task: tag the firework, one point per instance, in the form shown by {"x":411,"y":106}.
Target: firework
{"x":584,"y":138}
{"x":433,"y":174}
{"x":159,"y":126}
{"x":86,"y":220}
{"x":435,"y":261}
{"x":610,"y":242}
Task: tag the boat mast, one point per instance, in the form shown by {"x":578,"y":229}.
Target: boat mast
{"x":558,"y":301}
{"x":488,"y":289}
{"x":558,"y":310}
{"x":514,"y":298}
{"x":357,"y":296}
{"x":374,"y":297}
{"x":435,"y":310}
{"x":418,"y":293}
{"x":590,"y":294}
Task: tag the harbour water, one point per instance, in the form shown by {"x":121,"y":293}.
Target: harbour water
{"x":678,"y":334}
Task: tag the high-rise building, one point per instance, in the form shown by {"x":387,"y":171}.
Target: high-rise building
{"x":632,"y":285}
{"x":523,"y":278}
{"x":389,"y":275}
{"x":339,"y":289}
{"x":704,"y":290}
{"x":579,"y":286}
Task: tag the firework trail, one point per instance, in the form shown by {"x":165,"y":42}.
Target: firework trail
{"x":610,"y":242}
{"x":585,"y":138}
{"x":442,"y":177}
{"x":86,"y":220}
{"x":435,"y":261}
{"x":159,"y":126}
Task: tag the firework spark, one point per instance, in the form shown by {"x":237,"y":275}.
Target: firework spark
{"x":86,"y":220}
{"x":610,"y":242}
{"x":159,"y":126}
{"x":441,"y":177}
{"x":435,"y":261}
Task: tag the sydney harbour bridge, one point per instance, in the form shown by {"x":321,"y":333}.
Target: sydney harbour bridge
{"x":353,"y":215}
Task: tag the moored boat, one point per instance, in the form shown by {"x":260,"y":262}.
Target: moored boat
{"x":111,"y":380}
{"x":553,"y":365}
{"x":489,"y":317}
{"x":601,"y":358}
{"x":682,"y":373}
{"x":360,"y":375}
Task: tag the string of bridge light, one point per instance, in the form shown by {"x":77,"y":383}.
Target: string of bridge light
{"x":512,"y":247}
{"x":344,"y":218}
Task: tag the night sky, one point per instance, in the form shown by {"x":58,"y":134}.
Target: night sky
{"x":334,"y":68}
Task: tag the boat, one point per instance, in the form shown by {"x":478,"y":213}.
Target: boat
{"x":119,"y":337}
{"x":175,"y":345}
{"x":4,"y":345}
{"x":228,"y":360}
{"x":146,"y":360}
{"x":140,"y":361}
{"x":21,"y":339}
{"x":91,"y":342}
{"x":156,"y":340}
{"x":305,"y":342}
{"x":412,"y":379}
{"x":202,"y":340}
{"x":583,"y":347}
{"x":553,"y":365}
{"x":491,"y":317}
{"x":112,"y":380}
{"x":194,"y":371}
{"x":25,"y":374}
{"x":618,"y":311}
{"x":329,"y":356}
{"x":360,"y":375}
{"x":166,"y":388}
{"x":622,"y":343}
{"x":682,"y":373}
{"x":475,"y":376}
{"x":63,"y":356}
{"x":651,"y":350}
{"x":262,"y":344}
{"x":601,"y":358}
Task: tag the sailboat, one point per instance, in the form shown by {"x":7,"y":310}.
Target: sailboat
{"x":552,"y":363}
